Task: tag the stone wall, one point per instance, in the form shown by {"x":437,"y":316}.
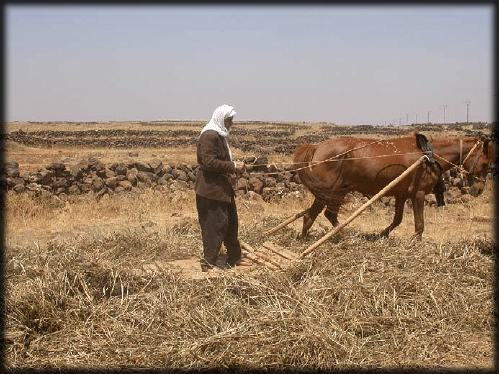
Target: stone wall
{"x":91,"y":176}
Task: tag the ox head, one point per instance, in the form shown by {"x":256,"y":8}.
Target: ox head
{"x":479,"y":164}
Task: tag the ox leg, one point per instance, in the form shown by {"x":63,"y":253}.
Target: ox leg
{"x":397,"y":219}
{"x":310,"y":216}
{"x":332,"y":209}
{"x":418,"y":208}
{"x":331,"y":213}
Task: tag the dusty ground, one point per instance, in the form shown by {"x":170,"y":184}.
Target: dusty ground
{"x":115,"y":283}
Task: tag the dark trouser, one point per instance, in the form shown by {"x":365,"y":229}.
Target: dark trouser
{"x":219,"y":224}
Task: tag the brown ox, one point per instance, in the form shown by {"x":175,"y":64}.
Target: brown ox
{"x":369,"y":170}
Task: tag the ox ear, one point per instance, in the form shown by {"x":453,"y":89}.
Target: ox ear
{"x":421,"y":141}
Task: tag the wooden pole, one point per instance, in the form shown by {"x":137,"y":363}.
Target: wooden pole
{"x":282,"y":252}
{"x":285,"y":223}
{"x":253,"y":255}
{"x":267,"y":258}
{"x":364,"y":206}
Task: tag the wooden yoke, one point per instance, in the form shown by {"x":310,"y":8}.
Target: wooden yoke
{"x":364,"y":206}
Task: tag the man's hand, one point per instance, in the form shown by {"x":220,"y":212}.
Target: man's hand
{"x":240,"y":167}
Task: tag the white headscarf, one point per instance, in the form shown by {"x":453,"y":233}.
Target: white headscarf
{"x":217,"y":122}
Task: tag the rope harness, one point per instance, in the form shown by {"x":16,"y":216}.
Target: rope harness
{"x":461,"y":168}
{"x":334,"y":158}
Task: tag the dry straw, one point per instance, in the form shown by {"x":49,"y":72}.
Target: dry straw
{"x":356,"y":302}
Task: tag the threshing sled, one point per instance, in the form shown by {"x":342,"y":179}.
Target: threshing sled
{"x":275,"y":257}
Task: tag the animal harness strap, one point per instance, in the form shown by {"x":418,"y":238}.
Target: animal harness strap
{"x":470,"y":152}
{"x":460,"y":152}
{"x":424,"y":144}
{"x":475,"y":161}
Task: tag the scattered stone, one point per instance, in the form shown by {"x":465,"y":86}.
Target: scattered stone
{"x":121,"y":169}
{"x":74,"y":189}
{"x":11,"y":169}
{"x":59,"y":183}
{"x":101,"y":173}
{"x":162,"y":181}
{"x":101,"y":193}
{"x":145,"y":176}
{"x":255,"y":185}
{"x":167,"y":169}
{"x":33,"y":187}
{"x":156,"y":166}
{"x":126,"y":185}
{"x":242,"y":184}
{"x":182,"y":176}
{"x":19,"y":188}
{"x":112,"y":182}
{"x":97,"y":184}
{"x":56,"y":167}
{"x":95,"y":164}
{"x":85,"y":188}
{"x":141,"y":166}
{"x":77,"y":171}
{"x":109,"y":173}
{"x":131,"y":176}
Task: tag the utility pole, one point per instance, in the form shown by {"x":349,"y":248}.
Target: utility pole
{"x":406,"y":118}
{"x":416,"y":118}
{"x":468,"y":111}
{"x":444,"y":106}
{"x":428,"y":116}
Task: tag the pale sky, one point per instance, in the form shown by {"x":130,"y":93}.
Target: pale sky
{"x":347,"y":65}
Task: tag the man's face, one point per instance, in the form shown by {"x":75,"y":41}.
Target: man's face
{"x":228,"y":122}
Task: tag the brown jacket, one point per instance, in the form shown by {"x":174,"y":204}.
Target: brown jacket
{"x":212,"y":181}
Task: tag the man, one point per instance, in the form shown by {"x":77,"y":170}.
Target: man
{"x":215,"y":202}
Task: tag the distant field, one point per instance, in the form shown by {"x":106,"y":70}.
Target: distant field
{"x":35,"y":144}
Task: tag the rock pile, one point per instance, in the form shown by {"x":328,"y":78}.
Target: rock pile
{"x":92,"y":176}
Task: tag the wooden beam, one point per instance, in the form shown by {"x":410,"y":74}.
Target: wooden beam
{"x":285,"y":223}
{"x":253,"y":255}
{"x":288,"y":255}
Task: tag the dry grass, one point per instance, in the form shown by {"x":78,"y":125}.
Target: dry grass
{"x":34,"y":158}
{"x":74,"y":299}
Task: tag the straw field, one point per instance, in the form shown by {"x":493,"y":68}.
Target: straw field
{"x":79,"y":292}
